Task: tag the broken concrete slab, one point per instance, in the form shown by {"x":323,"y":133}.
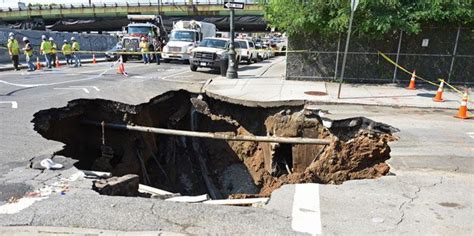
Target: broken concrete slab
{"x":126,"y":185}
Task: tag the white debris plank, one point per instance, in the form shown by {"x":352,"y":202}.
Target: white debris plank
{"x":147,"y":189}
{"x":245,"y":201}
{"x":189,"y":199}
{"x":97,"y":173}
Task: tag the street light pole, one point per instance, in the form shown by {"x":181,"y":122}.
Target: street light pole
{"x":231,"y":72}
{"x":354,"y":4}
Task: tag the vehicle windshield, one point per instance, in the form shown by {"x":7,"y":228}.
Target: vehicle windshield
{"x":243,"y":44}
{"x":139,"y":30}
{"x":213,"y":43}
{"x":186,"y":36}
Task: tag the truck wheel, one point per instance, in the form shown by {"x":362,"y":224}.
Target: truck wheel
{"x":166,"y":60}
{"x":249,"y":61}
{"x":193,"y":67}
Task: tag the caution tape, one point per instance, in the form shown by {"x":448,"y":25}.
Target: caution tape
{"x":418,"y":77}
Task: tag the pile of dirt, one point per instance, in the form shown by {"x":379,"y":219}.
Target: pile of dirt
{"x":191,"y":166}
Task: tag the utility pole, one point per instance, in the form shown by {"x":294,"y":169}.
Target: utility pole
{"x":354,"y":4}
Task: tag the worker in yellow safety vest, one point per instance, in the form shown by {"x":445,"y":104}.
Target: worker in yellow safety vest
{"x":28,"y":50}
{"x":144,"y":49}
{"x":45,"y":49}
{"x":54,"y":49}
{"x":13,"y":50}
{"x":67,"y":51}
{"x":75,"y":48}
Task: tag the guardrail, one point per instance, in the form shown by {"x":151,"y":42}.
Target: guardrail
{"x":158,"y":3}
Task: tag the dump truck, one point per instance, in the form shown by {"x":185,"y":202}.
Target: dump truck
{"x":186,"y":36}
{"x":148,"y":26}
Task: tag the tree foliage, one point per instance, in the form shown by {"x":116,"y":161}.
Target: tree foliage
{"x":372,"y":17}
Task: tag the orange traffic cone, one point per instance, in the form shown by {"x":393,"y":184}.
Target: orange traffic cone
{"x":439,"y":93}
{"x":93,"y":59}
{"x":462,"y":113}
{"x":38,"y":64}
{"x":411,"y":86}
{"x":57,"y":63}
{"x":121,"y":67}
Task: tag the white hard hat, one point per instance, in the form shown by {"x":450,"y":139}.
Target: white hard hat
{"x":11,"y":34}
{"x":51,"y":39}
{"x":65,"y":41}
{"x":43,"y":36}
{"x":25,"y":38}
{"x":143,"y":38}
{"x":73,"y":39}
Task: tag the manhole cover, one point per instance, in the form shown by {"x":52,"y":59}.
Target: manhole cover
{"x":315,"y":93}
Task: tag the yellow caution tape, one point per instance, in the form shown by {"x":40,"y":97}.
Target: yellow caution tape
{"x":418,"y":77}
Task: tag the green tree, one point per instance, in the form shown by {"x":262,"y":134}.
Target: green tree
{"x":372,"y":18}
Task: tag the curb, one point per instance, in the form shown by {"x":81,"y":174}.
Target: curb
{"x":51,"y":230}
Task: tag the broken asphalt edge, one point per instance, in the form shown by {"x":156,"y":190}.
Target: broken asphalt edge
{"x":298,"y":102}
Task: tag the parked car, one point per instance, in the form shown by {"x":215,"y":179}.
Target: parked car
{"x":112,"y":55}
{"x":262,"y":53}
{"x":247,"y":50}
{"x":211,"y":53}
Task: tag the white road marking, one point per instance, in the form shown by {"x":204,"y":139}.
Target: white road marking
{"x":14,"y":104}
{"x":306,"y":214}
{"x":471,"y":134}
{"x":168,"y":78}
{"x":94,"y":87}
{"x":83,"y":89}
{"x":22,"y":203}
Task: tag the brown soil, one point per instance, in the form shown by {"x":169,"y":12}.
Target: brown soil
{"x":236,"y":169}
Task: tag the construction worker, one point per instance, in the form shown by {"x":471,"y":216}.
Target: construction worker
{"x":54,"y":49}
{"x":144,"y":49}
{"x":67,"y":51}
{"x":75,"y":48}
{"x":13,"y":50}
{"x":28,"y":50}
{"x":45,"y":49}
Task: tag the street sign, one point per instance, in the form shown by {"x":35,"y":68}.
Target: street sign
{"x":234,"y":5}
{"x":354,"y":4}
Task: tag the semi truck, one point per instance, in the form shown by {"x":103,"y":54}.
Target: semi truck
{"x":184,"y":37}
{"x":148,"y":26}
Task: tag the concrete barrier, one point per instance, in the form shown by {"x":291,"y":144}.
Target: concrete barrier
{"x":97,"y":42}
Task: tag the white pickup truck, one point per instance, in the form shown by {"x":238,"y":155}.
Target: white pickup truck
{"x":212,"y":53}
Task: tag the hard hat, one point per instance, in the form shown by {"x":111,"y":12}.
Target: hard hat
{"x":51,"y":39}
{"x":11,"y":34}
{"x":65,"y":41}
{"x":43,"y":36}
{"x":25,"y":39}
{"x":143,"y":38}
{"x":73,"y":39}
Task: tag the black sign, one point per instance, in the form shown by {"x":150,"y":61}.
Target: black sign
{"x":234,"y":5}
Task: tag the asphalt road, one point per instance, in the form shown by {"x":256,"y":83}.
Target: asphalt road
{"x":429,"y":193}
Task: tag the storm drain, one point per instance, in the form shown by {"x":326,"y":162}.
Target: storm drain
{"x":357,"y":148}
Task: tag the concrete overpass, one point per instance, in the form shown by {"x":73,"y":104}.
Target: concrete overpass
{"x":109,"y":17}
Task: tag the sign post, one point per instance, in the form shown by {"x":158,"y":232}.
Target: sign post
{"x":354,"y":4}
{"x":231,"y":71}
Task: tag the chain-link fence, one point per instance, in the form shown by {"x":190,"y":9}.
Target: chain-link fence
{"x":436,"y":52}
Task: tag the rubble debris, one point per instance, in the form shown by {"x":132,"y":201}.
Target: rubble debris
{"x":126,"y":185}
{"x":357,"y":148}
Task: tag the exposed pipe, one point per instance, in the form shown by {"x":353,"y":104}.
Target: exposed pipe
{"x":232,"y":137}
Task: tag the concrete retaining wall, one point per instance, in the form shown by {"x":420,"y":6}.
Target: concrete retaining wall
{"x":96,"y":42}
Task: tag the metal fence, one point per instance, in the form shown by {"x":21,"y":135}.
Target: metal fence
{"x":436,"y":52}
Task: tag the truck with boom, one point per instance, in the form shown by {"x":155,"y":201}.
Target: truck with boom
{"x":186,"y":36}
{"x":148,"y":26}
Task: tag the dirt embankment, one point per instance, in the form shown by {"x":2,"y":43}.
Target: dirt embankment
{"x":358,"y":150}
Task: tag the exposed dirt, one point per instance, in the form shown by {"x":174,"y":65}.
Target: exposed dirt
{"x":236,"y":169}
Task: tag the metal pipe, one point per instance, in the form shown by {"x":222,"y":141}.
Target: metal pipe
{"x":398,"y":56}
{"x":345,"y":55}
{"x":454,"y":54}
{"x":210,"y":135}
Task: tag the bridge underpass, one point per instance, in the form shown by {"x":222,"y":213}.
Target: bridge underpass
{"x":111,"y":17}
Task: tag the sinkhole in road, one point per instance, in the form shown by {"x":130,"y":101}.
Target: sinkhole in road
{"x":358,"y":146}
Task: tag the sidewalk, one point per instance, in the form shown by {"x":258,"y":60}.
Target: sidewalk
{"x":268,"y":90}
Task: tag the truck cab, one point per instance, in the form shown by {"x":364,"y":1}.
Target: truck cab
{"x":212,"y":53}
{"x":185,"y":36}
